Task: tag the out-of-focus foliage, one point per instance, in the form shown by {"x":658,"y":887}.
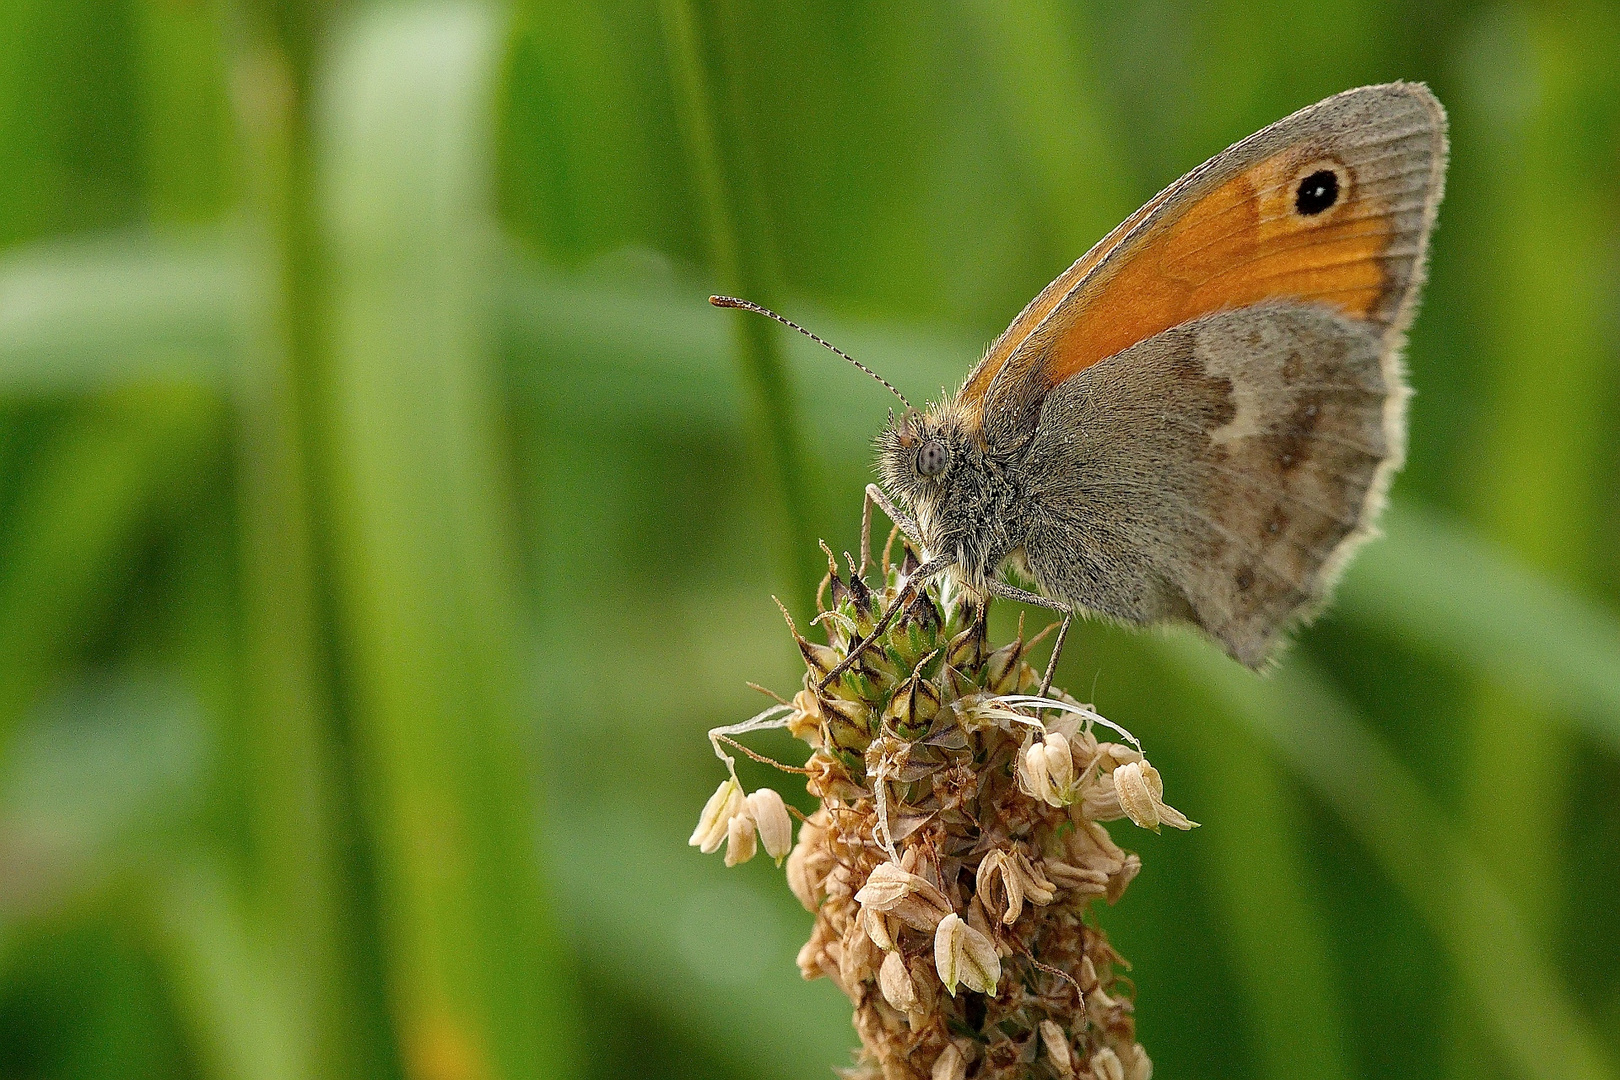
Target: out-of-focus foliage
{"x":384,"y":517}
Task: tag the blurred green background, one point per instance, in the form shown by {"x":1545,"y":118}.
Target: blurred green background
{"x":384,"y":517}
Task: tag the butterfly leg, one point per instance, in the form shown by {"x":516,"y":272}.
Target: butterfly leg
{"x":1000,"y":588}
{"x":907,"y":595}
{"x":875,"y":494}
{"x":1057,"y":651}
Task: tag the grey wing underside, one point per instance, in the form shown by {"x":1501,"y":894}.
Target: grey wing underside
{"x":1219,"y":473}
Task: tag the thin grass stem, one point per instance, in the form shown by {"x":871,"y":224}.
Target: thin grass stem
{"x":736,"y":258}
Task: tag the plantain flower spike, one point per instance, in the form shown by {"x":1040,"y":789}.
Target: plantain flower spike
{"x":958,"y":844}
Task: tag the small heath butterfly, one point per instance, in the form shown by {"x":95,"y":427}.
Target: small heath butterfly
{"x":1196,"y":422}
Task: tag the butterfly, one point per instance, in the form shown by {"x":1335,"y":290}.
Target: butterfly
{"x":1198,"y":421}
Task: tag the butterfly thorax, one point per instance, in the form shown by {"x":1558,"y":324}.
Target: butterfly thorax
{"x":963,"y":497}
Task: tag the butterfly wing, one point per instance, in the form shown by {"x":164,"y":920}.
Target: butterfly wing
{"x":978,"y":382}
{"x":1218,"y":473}
{"x":1232,"y":233}
{"x":1214,"y":407}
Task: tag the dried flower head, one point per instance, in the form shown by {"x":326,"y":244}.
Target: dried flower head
{"x":957,"y":847}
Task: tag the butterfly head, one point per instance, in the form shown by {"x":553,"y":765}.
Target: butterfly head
{"x":924,"y":459}
{"x":915,"y":451}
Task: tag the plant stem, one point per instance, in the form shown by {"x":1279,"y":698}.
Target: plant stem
{"x":737,"y":264}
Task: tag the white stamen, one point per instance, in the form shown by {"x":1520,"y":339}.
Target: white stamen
{"x":1091,"y":715}
{"x":773,"y":717}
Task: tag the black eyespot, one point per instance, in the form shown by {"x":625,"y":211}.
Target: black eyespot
{"x":932,"y":457}
{"x":1317,"y":192}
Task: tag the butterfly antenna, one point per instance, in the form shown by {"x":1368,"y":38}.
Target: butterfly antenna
{"x":744,"y":305}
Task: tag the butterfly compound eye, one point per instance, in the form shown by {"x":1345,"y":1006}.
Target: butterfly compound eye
{"x":932,"y":457}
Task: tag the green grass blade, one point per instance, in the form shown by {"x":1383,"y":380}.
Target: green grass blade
{"x":101,"y":789}
{"x":427,"y":569}
{"x":185,"y":111}
{"x":1550,"y":365}
{"x":1438,"y":585}
{"x":108,"y":771}
{"x":1500,"y":959}
{"x":80,"y":515}
{"x":305,"y":845}
{"x":231,"y":992}
{"x":101,"y":314}
{"x":653,"y":351}
{"x":1050,"y":93}
{"x":1266,"y":897}
{"x":722,"y":940}
{"x":737,"y":256}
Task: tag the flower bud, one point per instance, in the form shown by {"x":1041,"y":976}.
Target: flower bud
{"x":840,"y":592}
{"x":895,"y":982}
{"x":1047,"y":769}
{"x":848,"y":723}
{"x":919,"y":913}
{"x":966,"y":650}
{"x":957,"y":685}
{"x":922,"y":612}
{"x":876,"y":925}
{"x":798,"y":878}
{"x":963,"y":956}
{"x":1091,"y":847}
{"x":1059,"y":764}
{"x":855,"y":955}
{"x":926,"y":983}
{"x":805,"y":722}
{"x":1100,"y":1008}
{"x":740,"y":846}
{"x":1127,"y":874}
{"x":806,"y":866}
{"x":888,"y":885}
{"x":911,"y":898}
{"x":1032,"y":772}
{"x":1057,"y":1049}
{"x":726,"y":803}
{"x":950,"y":1065}
{"x":771,"y":818}
{"x":1037,"y":888}
{"x":999,"y":887}
{"x":1105,"y":1065}
{"x":820,"y":659}
{"x":812,"y":960}
{"x":1141,"y":796}
{"x":1001,"y":667}
{"x":913,"y":707}
{"x":861,"y":596}
{"x":1135,"y":796}
{"x":1081,"y":880}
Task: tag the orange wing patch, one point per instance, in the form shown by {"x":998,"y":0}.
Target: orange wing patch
{"x":984,"y":373}
{"x":1244,"y":242}
{"x":1331,"y":205}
